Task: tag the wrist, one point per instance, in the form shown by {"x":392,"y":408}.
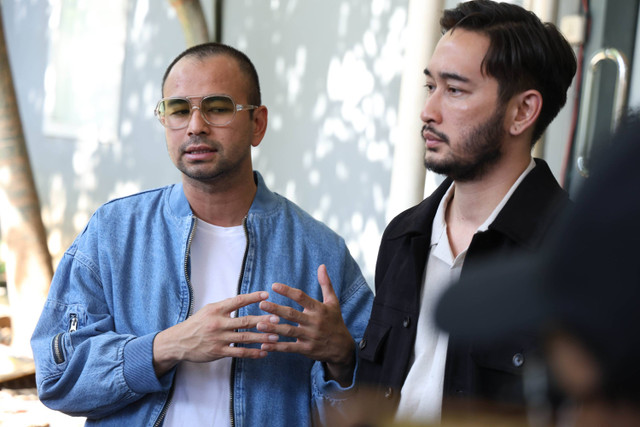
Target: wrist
{"x":163,"y":358}
{"x":342,"y":371}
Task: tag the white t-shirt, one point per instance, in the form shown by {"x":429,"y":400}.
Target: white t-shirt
{"x":421,"y":394}
{"x":201,"y":393}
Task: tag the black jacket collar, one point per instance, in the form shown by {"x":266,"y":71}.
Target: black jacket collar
{"x":519,"y":220}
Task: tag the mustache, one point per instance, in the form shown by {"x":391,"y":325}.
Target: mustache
{"x":430,"y":129}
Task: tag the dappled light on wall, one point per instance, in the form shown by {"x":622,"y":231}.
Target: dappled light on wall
{"x":330,"y":75}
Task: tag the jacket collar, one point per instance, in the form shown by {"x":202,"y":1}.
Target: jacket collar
{"x":532,"y":207}
{"x":526,"y":212}
{"x":264,"y":201}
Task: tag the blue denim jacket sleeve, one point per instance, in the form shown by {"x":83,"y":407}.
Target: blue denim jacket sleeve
{"x":83,"y":367}
{"x":328,"y":395}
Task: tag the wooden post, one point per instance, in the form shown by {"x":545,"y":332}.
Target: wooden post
{"x":27,"y":257}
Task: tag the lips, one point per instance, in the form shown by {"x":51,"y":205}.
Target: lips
{"x":432,"y":138}
{"x":199,"y":152}
{"x":199,"y":149}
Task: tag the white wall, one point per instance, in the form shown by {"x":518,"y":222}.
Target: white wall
{"x":329,"y":71}
{"x":330,"y":74}
{"x":330,"y":77}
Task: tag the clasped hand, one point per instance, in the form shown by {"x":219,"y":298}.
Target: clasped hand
{"x":210,"y":334}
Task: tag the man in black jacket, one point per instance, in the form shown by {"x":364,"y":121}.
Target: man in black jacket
{"x":496,"y":79}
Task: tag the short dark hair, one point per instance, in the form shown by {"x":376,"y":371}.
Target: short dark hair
{"x":207,"y":50}
{"x":523,"y":53}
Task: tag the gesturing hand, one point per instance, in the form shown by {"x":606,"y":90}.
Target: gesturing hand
{"x":321,"y":333}
{"x":209,"y":333}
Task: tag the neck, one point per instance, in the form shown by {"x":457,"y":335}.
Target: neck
{"x":474,"y":201}
{"x":223,"y":204}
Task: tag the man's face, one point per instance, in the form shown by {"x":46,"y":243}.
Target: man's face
{"x":463,"y":121}
{"x":200,"y":151}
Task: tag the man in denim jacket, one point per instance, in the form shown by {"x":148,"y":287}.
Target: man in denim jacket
{"x":171,"y":307}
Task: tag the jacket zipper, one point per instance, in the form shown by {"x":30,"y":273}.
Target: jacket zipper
{"x":55,"y":344}
{"x":232,"y":418}
{"x":194,"y":225}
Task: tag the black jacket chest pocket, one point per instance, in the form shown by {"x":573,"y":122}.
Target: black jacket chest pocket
{"x":511,"y":356}
{"x":373,"y":342}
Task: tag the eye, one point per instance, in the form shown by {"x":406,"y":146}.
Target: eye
{"x":217,"y":106}
{"x":176,"y":108}
{"x":179,"y":113}
{"x":430,"y":87}
{"x":219,"y":110}
{"x":454,"y":90}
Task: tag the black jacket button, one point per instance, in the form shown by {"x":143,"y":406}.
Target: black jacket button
{"x":362,"y":344}
{"x":406,"y":322}
{"x":517,"y":360}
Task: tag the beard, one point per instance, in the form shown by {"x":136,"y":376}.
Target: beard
{"x":209,"y":171}
{"x":478,"y":150}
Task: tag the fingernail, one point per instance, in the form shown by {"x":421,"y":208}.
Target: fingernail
{"x":273,"y":338}
{"x":274,"y":319}
{"x":264,"y":295}
{"x":263,"y":354}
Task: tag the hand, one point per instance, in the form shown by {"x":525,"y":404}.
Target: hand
{"x":208,"y":335}
{"x":320,"y":332}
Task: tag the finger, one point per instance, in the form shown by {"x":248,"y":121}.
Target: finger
{"x":232,"y":304}
{"x":291,"y":314}
{"x":284,"y":347}
{"x":281,"y":330}
{"x":245,"y":353}
{"x":328,"y":294}
{"x":250,"y":338}
{"x":249,"y":322}
{"x":296,"y":295}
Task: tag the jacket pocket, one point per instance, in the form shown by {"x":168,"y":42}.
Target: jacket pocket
{"x":373,"y":342}
{"x":510,"y":357}
{"x":58,"y":342}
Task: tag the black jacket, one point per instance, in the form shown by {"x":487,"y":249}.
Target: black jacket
{"x":491,"y":373}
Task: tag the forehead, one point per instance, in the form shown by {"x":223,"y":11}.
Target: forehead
{"x":460,"y":52}
{"x":192,"y":76}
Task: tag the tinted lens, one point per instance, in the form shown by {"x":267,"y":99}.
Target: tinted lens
{"x":174,"y":113}
{"x":218,"y":110}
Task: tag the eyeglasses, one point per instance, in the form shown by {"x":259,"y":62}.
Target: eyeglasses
{"x":216,"y":110}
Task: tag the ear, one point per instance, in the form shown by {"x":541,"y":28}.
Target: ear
{"x":260,"y":115}
{"x":525,"y":108}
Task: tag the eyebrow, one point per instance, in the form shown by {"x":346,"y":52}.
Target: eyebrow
{"x":448,"y":76}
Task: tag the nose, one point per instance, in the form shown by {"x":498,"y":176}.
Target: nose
{"x":197,"y":125}
{"x":431,"y":111}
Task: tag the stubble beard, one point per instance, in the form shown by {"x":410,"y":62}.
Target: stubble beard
{"x":480,"y":150}
{"x":207,"y":172}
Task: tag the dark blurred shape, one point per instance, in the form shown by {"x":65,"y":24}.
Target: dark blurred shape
{"x":581,"y":291}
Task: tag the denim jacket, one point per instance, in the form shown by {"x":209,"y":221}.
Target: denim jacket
{"x":126,"y":277}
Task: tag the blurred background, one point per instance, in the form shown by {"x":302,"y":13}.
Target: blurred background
{"x":343,"y":83}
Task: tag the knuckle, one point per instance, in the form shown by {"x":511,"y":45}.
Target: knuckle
{"x":214,"y":324}
{"x":245,"y":322}
{"x":242,"y":337}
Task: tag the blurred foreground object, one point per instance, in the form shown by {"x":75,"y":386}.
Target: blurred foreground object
{"x":580,"y":292}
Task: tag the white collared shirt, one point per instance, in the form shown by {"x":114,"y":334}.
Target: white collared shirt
{"x":421,"y":395}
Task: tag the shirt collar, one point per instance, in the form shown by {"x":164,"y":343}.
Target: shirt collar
{"x":439,"y":224}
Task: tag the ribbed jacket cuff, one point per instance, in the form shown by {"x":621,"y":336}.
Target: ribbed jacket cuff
{"x":138,"y":366}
